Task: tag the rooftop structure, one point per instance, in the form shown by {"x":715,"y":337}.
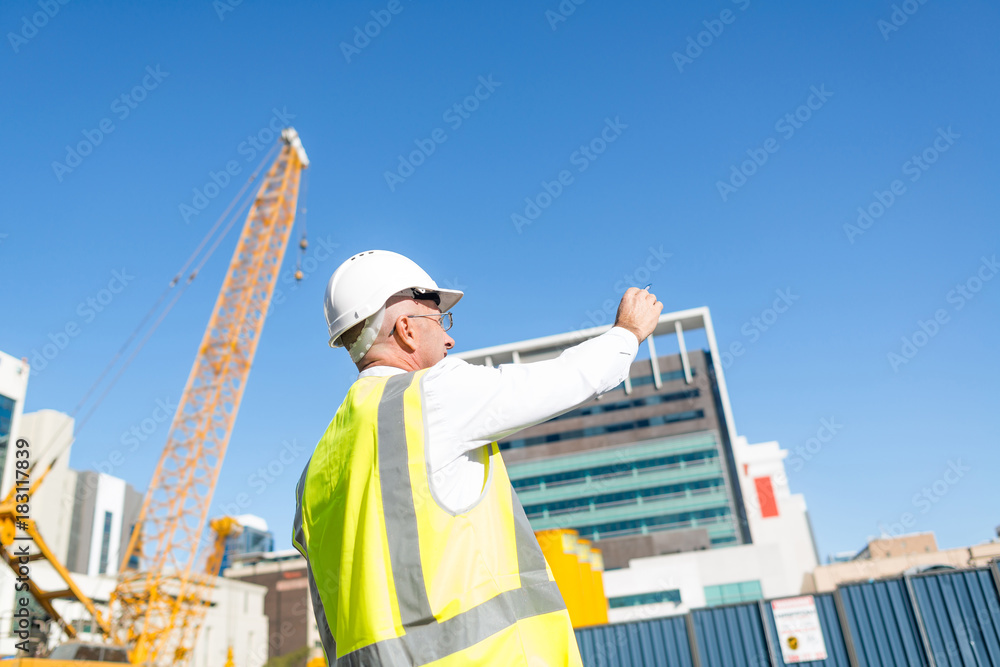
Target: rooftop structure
{"x":654,"y":473}
{"x":643,"y":470}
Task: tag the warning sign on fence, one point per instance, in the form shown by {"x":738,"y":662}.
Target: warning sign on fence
{"x":799,"y":631}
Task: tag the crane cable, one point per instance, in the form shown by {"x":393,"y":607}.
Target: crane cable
{"x":163,"y":315}
{"x":301,"y":219}
{"x":135,"y":332}
{"x":173,"y":283}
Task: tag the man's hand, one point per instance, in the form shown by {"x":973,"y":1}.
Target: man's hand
{"x":638,"y":312}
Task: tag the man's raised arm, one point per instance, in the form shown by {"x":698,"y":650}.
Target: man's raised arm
{"x":497,"y":402}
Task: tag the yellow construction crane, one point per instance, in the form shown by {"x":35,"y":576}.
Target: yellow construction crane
{"x":224,"y":528}
{"x":32,"y":547}
{"x":156,"y":607}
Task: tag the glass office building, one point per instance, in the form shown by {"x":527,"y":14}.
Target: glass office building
{"x":255,"y":538}
{"x":645,"y":469}
{"x":6,"y":422}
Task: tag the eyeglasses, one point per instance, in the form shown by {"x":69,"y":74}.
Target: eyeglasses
{"x":444,"y":319}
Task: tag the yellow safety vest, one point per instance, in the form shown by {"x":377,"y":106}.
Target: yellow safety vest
{"x":397,"y":579}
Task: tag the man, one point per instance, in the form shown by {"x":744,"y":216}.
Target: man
{"x":418,"y":550}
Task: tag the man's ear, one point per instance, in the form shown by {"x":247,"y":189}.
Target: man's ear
{"x":406,"y":334}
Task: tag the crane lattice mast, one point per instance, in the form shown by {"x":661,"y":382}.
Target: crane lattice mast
{"x":157,"y":607}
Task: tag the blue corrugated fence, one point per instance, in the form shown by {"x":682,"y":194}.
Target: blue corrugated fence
{"x":961,"y":616}
{"x":660,"y":641}
{"x":935,"y":620}
{"x":730,"y":636}
{"x":882,"y":624}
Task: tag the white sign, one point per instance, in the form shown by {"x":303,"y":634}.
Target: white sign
{"x":799,"y":631}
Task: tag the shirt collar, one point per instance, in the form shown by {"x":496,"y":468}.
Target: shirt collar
{"x":380,"y":371}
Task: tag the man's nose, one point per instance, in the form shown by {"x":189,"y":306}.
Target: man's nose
{"x":449,"y":342}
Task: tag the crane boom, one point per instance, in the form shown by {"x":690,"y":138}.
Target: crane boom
{"x":156,"y":607}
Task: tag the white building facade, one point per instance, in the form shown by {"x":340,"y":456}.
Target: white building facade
{"x":86,"y":519}
{"x":50,"y":434}
{"x":235,"y":619}
{"x":777,"y":563}
{"x":13,"y":388}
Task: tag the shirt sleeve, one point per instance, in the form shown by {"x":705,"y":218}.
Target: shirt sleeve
{"x":471,"y":405}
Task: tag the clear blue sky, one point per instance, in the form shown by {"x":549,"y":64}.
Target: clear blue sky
{"x":886,"y":95}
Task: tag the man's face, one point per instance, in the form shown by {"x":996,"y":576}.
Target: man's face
{"x":433,"y":342}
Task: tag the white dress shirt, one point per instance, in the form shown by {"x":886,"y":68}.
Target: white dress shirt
{"x":468,"y":406}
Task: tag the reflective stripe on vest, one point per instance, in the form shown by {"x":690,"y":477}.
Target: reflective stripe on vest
{"x":425,"y":638}
{"x":299,"y":541}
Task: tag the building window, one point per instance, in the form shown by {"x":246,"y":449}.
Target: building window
{"x":645,"y":598}
{"x":83,"y":625}
{"x":6,"y":416}
{"x":249,"y":541}
{"x":591,"y":503}
{"x":645,"y":401}
{"x":700,"y":519}
{"x":664,"y":377}
{"x":744,"y":591}
{"x":133,"y":560}
{"x":590,"y":431}
{"x":624,"y":468}
{"x":105,"y":544}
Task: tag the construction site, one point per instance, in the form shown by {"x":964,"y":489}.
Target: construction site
{"x":645,"y":502}
{"x":709,"y":411}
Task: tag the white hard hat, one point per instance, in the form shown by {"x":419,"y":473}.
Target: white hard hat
{"x":359,"y":288}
